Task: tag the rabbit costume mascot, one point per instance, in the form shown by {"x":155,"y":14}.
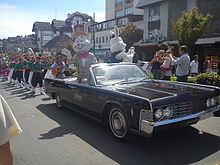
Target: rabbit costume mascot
{"x":83,"y":59}
{"x":117,"y":47}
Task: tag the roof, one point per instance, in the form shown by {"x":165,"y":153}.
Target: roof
{"x":143,"y":3}
{"x":84,"y":15}
{"x":58,"y":41}
{"x":58,"y":23}
{"x":42,"y":26}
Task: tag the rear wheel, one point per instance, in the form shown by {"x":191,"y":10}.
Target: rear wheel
{"x":118,"y":123}
{"x":58,"y":102}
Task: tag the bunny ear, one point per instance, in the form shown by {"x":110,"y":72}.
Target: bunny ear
{"x":86,"y":27}
{"x":116,"y":31}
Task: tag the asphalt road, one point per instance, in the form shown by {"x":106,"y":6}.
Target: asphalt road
{"x":54,"y":137}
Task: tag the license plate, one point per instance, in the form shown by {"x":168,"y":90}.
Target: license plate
{"x":207,"y":115}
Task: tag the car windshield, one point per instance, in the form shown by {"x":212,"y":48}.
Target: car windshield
{"x":116,"y":74}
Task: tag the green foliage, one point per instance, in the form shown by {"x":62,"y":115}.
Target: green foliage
{"x":208,"y":79}
{"x":130,"y":34}
{"x":150,"y":75}
{"x":190,"y":27}
{"x":191,"y":80}
{"x":173,"y":78}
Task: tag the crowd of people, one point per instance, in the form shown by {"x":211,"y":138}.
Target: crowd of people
{"x":164,"y":64}
{"x":28,"y":72}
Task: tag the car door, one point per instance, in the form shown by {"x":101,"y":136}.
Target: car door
{"x":72,"y":93}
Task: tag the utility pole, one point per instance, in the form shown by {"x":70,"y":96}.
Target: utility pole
{"x":93,"y":31}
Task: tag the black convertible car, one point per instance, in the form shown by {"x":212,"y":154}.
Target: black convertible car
{"x":122,"y":96}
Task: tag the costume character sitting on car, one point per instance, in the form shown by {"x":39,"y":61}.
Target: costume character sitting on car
{"x":117,"y":47}
{"x":83,"y":59}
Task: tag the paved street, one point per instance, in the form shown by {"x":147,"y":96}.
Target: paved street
{"x":54,"y":137}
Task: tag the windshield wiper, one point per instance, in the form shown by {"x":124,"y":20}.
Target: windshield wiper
{"x":125,"y":81}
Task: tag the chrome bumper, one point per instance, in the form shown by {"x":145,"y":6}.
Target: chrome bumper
{"x":147,"y":127}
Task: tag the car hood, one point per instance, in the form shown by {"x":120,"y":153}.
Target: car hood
{"x":153,"y":89}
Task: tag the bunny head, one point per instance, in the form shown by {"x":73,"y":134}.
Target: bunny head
{"x":81,"y":43}
{"x":116,"y":43}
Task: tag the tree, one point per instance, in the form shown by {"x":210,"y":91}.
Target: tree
{"x":131,"y":34}
{"x":190,"y":27}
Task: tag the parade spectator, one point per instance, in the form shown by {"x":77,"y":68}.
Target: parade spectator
{"x":182,"y":63}
{"x":166,"y":63}
{"x":9,"y":128}
{"x":168,"y":72}
{"x":194,"y":66}
{"x":156,"y":63}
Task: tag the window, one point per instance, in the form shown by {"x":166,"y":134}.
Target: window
{"x":154,"y":13}
{"x":106,"y":38}
{"x":118,"y":3}
{"x":97,"y":40}
{"x":100,"y":39}
{"x":129,"y":10}
{"x":119,"y":13}
{"x":103,"y":39}
{"x":120,"y":22}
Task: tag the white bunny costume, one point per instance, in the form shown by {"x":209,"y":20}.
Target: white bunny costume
{"x":117,"y":48}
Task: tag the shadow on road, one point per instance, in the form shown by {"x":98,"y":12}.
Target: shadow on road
{"x":183,"y":146}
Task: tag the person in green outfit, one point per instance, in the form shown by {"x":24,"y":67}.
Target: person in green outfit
{"x":19,"y":72}
{"x":27,"y":65}
{"x":37,"y":78}
{"x":11,"y":74}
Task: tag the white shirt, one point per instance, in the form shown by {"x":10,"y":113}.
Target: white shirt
{"x":9,"y":127}
{"x":183,"y":64}
{"x":194,"y":66}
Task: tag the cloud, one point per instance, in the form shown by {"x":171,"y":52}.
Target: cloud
{"x":5,"y":6}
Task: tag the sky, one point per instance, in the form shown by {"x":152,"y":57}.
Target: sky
{"x":17,"y":16}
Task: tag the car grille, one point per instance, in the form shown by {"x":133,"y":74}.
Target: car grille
{"x":182,"y":109}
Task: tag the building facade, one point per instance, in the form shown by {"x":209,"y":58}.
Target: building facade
{"x":158,"y":17}
{"x":104,"y":31}
{"x":119,"y":8}
{"x":46,"y":31}
{"x":43,"y":32}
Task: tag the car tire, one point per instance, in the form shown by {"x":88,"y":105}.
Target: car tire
{"x":59,"y":102}
{"x":118,"y":124}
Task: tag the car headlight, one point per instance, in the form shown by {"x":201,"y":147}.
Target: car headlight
{"x":167,"y":112}
{"x":213,"y":101}
{"x":158,"y":114}
{"x":208,"y":102}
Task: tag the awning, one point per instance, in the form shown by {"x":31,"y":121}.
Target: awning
{"x":174,"y":42}
{"x":212,"y":40}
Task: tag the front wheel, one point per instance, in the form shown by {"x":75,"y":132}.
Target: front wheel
{"x":58,"y":102}
{"x":118,"y":123}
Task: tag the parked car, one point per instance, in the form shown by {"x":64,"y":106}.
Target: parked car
{"x":146,"y":66}
{"x":123,"y":97}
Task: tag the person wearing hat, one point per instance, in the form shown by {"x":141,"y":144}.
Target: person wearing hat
{"x":37,"y":78}
{"x":58,"y":67}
